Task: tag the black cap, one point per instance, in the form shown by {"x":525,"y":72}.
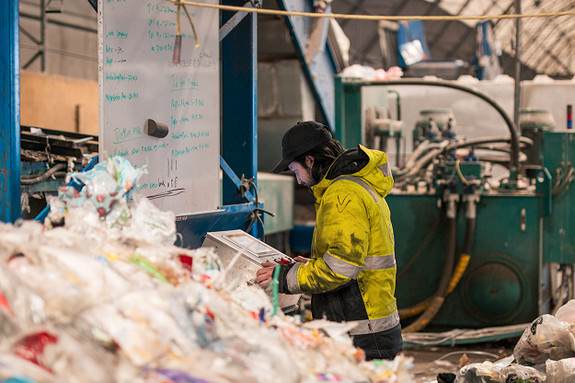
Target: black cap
{"x":301,"y":138}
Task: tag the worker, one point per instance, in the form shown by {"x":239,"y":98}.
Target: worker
{"x":352,"y":270}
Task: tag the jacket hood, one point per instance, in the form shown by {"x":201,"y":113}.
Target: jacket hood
{"x":370,"y":165}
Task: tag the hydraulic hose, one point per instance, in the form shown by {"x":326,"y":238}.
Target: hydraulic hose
{"x":467,"y":245}
{"x":432,"y":305}
{"x":424,"y":160}
{"x":417,"y":160}
{"x":488,"y":140}
{"x":418,"y":151}
{"x":436,"y":301}
{"x":514,"y":162}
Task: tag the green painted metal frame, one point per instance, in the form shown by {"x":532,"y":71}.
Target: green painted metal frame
{"x":508,"y":261}
{"x":558,"y":151}
{"x":504,"y":282}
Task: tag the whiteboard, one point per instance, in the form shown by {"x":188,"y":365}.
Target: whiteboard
{"x":138,"y":82}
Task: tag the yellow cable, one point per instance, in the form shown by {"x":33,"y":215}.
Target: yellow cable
{"x":460,"y":174}
{"x":371,"y":17}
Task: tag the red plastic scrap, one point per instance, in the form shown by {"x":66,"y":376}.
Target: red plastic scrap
{"x":186,"y":261}
{"x":31,"y":347}
{"x":4,"y":303}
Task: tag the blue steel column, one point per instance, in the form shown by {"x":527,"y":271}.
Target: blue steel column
{"x":9,"y":112}
{"x":239,"y":107}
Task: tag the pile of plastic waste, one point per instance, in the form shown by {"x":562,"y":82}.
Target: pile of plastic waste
{"x":99,"y":293}
{"x":544,"y":353}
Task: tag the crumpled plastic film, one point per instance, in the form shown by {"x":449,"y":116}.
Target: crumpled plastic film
{"x":106,"y":188}
{"x":85,"y":299}
{"x":151,"y":224}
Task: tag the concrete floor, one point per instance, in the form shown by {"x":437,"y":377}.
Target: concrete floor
{"x":430,"y":361}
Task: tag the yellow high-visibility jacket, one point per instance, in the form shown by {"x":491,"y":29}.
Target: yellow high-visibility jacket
{"x":351,"y":274}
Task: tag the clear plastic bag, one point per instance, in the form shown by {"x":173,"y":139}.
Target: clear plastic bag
{"x":546,"y":338}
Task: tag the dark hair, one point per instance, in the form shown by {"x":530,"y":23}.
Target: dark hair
{"x":323,"y":156}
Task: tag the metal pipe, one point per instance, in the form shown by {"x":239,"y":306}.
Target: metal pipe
{"x":43,"y":23}
{"x":517,"y":90}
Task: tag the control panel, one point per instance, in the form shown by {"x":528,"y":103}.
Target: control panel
{"x":251,"y":253}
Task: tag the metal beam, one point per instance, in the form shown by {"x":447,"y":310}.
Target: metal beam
{"x":400,"y":6}
{"x":9,"y":112}
{"x":60,"y":23}
{"x":431,"y":7}
{"x":355,"y":9}
{"x":507,"y":11}
{"x":239,"y":107}
{"x":234,"y":21}
{"x":446,"y":25}
{"x":464,"y":37}
{"x":320,"y":69}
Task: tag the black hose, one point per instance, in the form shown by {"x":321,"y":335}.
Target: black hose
{"x":449,"y":262}
{"x":434,"y":303}
{"x":514,"y":162}
{"x":450,"y":276}
{"x":488,"y":140}
{"x":469,"y":235}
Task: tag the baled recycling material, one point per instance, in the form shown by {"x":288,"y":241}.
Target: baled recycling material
{"x":99,"y":293}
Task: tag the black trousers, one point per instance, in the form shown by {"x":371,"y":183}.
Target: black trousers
{"x":380,"y":345}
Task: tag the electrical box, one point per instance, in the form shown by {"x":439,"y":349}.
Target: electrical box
{"x":247,"y":254}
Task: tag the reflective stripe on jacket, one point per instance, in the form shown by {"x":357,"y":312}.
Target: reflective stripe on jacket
{"x":352,"y":270}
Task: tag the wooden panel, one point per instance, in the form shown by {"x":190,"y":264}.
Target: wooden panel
{"x":58,"y":102}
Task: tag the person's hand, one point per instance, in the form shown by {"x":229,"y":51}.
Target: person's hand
{"x":265,"y":274}
{"x":299,"y":258}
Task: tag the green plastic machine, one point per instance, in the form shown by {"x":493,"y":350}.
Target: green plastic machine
{"x":482,"y":226}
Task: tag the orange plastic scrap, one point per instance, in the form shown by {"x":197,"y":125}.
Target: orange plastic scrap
{"x":300,"y":339}
{"x":359,"y":355}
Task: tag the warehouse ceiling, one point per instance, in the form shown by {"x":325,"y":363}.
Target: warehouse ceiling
{"x":546,"y":43}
